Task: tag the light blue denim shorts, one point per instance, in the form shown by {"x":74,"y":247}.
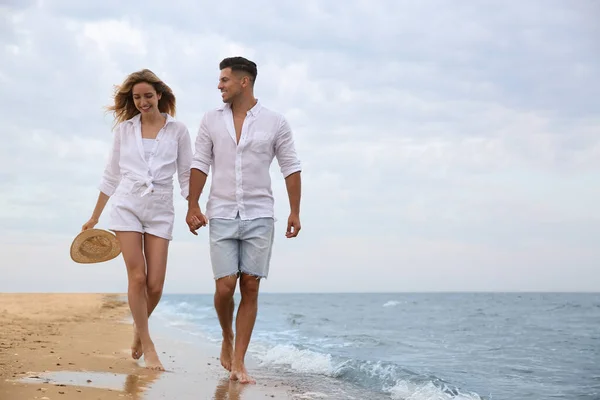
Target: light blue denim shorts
{"x":238,"y":246}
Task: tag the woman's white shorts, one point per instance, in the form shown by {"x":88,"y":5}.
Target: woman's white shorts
{"x":153,"y":213}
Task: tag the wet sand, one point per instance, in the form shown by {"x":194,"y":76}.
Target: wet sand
{"x":76,"y":346}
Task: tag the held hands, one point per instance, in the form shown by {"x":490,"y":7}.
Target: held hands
{"x":195,"y":219}
{"x":293,"y":226}
{"x":90,"y":224}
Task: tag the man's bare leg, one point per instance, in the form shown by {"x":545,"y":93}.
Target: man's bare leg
{"x":156,"y":254}
{"x":244,"y":324}
{"x":131,"y":247}
{"x":224,"y":305}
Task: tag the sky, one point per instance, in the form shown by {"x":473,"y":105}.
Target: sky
{"x":445,"y":146}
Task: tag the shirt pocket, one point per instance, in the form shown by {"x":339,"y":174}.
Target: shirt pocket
{"x":167,"y":150}
{"x":262,"y":142}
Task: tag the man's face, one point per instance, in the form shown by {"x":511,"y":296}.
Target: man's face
{"x":230,"y":85}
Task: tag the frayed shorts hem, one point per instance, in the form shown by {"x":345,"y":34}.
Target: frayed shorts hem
{"x":238,"y":273}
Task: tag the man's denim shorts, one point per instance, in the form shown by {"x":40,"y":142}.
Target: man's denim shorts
{"x":238,"y":246}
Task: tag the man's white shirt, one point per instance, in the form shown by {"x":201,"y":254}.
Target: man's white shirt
{"x":241,"y":181}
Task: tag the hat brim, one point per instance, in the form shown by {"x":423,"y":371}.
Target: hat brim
{"x":82,"y":258}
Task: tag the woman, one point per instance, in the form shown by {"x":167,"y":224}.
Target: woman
{"x":149,"y":147}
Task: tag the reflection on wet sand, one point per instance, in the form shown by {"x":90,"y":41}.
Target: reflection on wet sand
{"x":135,"y":385}
{"x":132,"y":384}
{"x":229,"y":390}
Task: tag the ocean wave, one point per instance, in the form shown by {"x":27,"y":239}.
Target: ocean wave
{"x":567,"y":306}
{"x":295,"y":319}
{"x":298,"y":360}
{"x":310,"y":396}
{"x":183,"y":311}
{"x":362,"y":340}
{"x":383,"y":377}
{"x":427,"y":391}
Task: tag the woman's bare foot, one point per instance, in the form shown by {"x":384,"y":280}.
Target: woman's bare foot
{"x":227,"y":353}
{"x":239,"y":373}
{"x":136,"y":346}
{"x":152,"y":361}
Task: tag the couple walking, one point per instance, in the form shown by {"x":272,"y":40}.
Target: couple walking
{"x":239,"y":141}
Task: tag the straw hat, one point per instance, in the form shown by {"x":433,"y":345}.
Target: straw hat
{"x":94,"y":246}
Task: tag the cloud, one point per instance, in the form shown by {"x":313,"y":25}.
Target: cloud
{"x":453,"y":136}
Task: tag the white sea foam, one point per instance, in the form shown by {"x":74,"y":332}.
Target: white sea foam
{"x":182,"y":312}
{"x":404,"y":390}
{"x":310,"y":396}
{"x":304,"y":361}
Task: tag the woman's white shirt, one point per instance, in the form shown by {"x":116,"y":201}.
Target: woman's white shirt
{"x":128,"y":169}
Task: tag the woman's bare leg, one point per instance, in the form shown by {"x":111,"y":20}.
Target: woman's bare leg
{"x":131,"y":248}
{"x":155,"y":252}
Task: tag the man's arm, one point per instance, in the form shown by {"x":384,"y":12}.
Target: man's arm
{"x":197,"y":182}
{"x":198,"y":173}
{"x":285,"y":151}
{"x":293,"y":184}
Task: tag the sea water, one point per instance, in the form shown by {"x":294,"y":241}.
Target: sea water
{"x":421,"y":346}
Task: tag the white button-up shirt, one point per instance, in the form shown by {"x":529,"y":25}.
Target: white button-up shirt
{"x":127,"y":169}
{"x":241,"y":181}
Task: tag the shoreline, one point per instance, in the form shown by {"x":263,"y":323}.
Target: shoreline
{"x":76,"y":346}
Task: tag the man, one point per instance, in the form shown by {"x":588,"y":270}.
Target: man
{"x":240,"y":140}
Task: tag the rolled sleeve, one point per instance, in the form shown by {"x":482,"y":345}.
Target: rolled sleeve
{"x":203,"y":149}
{"x":285,"y":150}
{"x":184,"y":161}
{"x":112,"y":174}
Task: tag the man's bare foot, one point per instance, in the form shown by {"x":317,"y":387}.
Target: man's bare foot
{"x":136,"y":346}
{"x":152,"y":361}
{"x":239,"y":373}
{"x":227,"y":352}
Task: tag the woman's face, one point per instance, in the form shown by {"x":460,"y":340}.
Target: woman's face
{"x":145,"y":98}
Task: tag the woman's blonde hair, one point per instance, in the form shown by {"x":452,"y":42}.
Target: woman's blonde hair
{"x":124,"y":107}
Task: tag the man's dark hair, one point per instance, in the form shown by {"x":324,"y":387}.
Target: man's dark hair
{"x":240,"y":64}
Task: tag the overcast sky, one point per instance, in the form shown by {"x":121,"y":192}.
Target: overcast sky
{"x":446,"y":146}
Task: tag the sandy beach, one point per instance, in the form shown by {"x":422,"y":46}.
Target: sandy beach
{"x":76,"y":346}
